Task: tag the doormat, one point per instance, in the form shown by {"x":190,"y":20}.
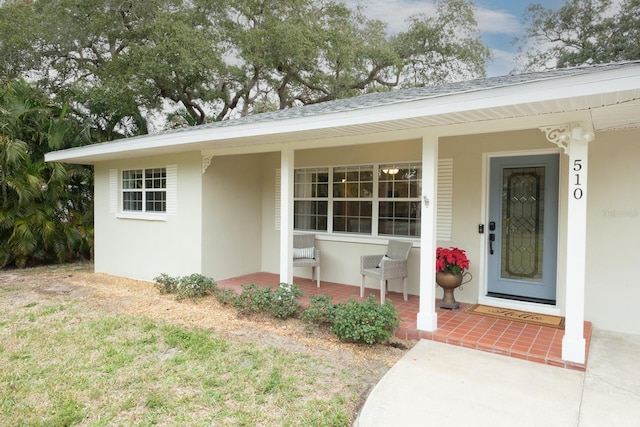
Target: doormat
{"x":518,"y":316}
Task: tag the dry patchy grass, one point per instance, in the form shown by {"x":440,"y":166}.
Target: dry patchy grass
{"x":79,"y":348}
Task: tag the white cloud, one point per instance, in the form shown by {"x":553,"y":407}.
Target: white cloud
{"x":497,"y":22}
{"x":502,"y":62}
{"x":392,"y":12}
{"x":395,"y":13}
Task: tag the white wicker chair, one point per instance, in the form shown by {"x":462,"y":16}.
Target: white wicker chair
{"x":306,"y":241}
{"x":393,"y":266}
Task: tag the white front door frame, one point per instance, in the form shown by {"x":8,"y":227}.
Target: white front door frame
{"x":483,"y":282}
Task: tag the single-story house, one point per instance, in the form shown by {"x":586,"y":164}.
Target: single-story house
{"x":534,"y":175}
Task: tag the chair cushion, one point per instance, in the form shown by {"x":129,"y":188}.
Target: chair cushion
{"x":380,"y":263}
{"x":308,"y":253}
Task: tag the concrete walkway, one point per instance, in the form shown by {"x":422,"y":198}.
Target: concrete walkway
{"x":437,"y":384}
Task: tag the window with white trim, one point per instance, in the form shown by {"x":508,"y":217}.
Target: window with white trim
{"x":144,"y":190}
{"x":311,"y":199}
{"x":399,"y":191}
{"x":380,"y":199}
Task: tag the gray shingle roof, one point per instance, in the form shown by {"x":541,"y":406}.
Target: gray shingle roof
{"x":414,"y":94}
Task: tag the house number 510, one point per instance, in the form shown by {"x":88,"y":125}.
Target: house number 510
{"x":577,"y":168}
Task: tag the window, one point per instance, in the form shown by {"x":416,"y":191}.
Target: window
{"x":144,"y":190}
{"x":365,"y":199}
{"x":311,"y":199}
{"x":399,"y":190}
{"x":353,"y":199}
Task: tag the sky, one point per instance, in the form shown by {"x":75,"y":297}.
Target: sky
{"x":499,"y":21}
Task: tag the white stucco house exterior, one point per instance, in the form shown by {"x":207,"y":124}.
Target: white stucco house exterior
{"x":535,"y":175}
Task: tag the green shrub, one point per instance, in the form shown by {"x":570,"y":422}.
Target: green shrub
{"x":194,"y":286}
{"x":254,"y":300}
{"x":365,"y":322}
{"x":321,"y":310}
{"x":224,"y":296}
{"x":286,"y":301}
{"x":166,"y":284}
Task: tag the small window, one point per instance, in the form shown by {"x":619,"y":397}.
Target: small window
{"x":311,"y":199}
{"x":353,"y":199}
{"x":399,"y":190}
{"x":144,"y":190}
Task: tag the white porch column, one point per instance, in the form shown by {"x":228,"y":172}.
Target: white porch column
{"x":286,"y":215}
{"x":574,"y":140}
{"x":427,"y":317}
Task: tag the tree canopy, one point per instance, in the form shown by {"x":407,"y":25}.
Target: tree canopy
{"x":580,"y":32}
{"x":121,"y":61}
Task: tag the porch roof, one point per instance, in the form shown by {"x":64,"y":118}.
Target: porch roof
{"x":610,"y":93}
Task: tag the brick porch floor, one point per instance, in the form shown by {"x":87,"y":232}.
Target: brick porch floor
{"x":514,"y":339}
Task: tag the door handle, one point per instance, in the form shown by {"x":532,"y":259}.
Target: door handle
{"x":492,"y":238}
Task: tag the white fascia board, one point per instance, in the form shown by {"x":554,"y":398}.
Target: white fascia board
{"x":627,"y":78}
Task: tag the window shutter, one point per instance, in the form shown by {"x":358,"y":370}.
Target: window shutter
{"x":113,"y":191}
{"x":172,"y":189}
{"x":277,"y":195}
{"x":445,"y":200}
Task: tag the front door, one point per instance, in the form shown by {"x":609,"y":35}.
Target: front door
{"x":523,"y":228}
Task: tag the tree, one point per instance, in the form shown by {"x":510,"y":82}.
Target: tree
{"x":46,"y":209}
{"x":119,"y":61}
{"x":580,"y":32}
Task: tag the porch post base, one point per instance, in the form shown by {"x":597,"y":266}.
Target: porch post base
{"x":427,"y":321}
{"x":573,"y":350}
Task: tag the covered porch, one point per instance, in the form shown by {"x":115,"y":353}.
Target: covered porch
{"x":539,"y":344}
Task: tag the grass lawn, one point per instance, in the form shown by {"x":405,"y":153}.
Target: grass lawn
{"x":68,"y":363}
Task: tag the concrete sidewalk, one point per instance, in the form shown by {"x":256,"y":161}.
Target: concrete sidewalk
{"x":437,"y":384}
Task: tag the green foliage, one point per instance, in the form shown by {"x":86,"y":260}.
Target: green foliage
{"x":365,"y":322}
{"x":580,"y":32}
{"x":46,"y":209}
{"x":281,"y":303}
{"x":286,"y":301}
{"x":215,"y":60}
{"x":166,"y":284}
{"x":254,"y":300}
{"x":193,"y":287}
{"x":321,"y":310}
{"x":362,"y":322}
{"x":224,"y":296}
{"x":442,"y":48}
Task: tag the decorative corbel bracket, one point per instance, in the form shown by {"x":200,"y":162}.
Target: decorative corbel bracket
{"x":562,"y":135}
{"x":206,"y":162}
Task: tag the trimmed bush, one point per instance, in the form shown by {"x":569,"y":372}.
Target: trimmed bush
{"x":321,"y":310}
{"x":224,"y":296}
{"x":194,"y":286}
{"x":254,"y":300}
{"x":365,"y":322}
{"x":286,"y":301}
{"x":166,"y":284}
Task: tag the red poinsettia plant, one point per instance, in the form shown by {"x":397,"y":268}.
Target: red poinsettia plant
{"x":451,"y":260}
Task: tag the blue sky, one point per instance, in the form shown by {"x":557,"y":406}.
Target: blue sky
{"x":499,"y":22}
